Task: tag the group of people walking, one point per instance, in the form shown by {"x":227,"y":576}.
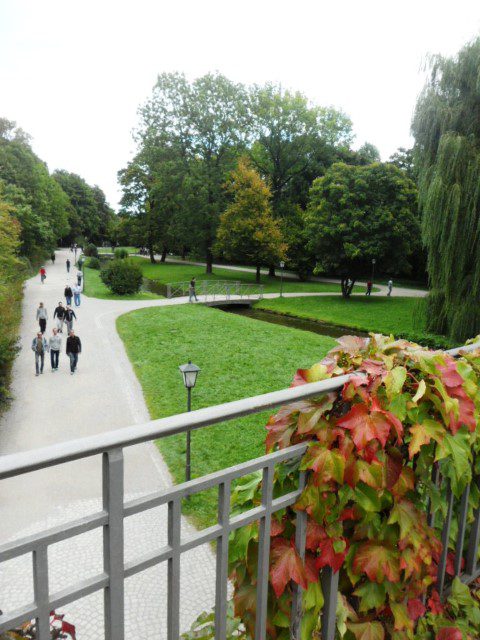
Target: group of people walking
{"x":62,"y":316}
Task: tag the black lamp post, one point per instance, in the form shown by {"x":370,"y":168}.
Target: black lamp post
{"x":189,"y":372}
{"x":373,"y":268}
{"x":282,"y":265}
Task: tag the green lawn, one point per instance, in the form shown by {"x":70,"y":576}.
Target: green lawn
{"x":397,"y":316}
{"x":95,"y":288}
{"x":109,"y":249}
{"x":238,"y":357}
{"x":172,"y":272}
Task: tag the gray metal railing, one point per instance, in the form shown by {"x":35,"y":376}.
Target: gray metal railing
{"x":216,"y":289}
{"x":114,"y":511}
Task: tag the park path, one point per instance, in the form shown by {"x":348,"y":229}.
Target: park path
{"x":55,"y":407}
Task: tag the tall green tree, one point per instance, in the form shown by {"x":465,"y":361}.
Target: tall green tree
{"x":247,"y":230}
{"x":446,"y":127}
{"x":360,"y":213}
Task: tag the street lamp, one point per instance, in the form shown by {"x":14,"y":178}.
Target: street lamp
{"x":373,"y":268}
{"x":282,"y":264}
{"x":189,"y":372}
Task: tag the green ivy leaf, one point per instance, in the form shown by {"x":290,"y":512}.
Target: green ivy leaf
{"x":394,"y":381}
{"x":367,"y":498}
{"x":372,"y":595}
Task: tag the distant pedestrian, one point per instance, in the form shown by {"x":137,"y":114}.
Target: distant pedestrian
{"x":76,"y":294}
{"x":39,"y":347}
{"x":389,"y":287}
{"x":59,"y":314}
{"x":79,"y":278}
{"x":191,"y":290}
{"x":42,"y":317}
{"x":43,"y":274}
{"x":68,"y":293}
{"x":369,"y":288}
{"x":68,"y":265}
{"x":74,"y":348}
{"x":54,"y":344}
{"x":69,"y":316}
{"x":52,"y":257}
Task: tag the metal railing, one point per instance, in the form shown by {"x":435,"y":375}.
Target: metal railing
{"x":216,"y":289}
{"x":111,"y":518}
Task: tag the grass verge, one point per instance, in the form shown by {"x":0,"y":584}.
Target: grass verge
{"x":401,"y":317}
{"x":238,"y":357}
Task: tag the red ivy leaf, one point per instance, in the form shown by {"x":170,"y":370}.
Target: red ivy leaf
{"x":286,"y":565}
{"x":416,"y":609}
{"x":378,"y":561}
{"x":449,"y":633}
{"x":365,"y":425}
{"x":435,"y":604}
{"x":315,"y":534}
{"x":351,"y":345}
{"x":328,"y":557}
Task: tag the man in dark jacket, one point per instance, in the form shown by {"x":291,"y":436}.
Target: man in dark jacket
{"x":68,"y":293}
{"x":69,"y":316}
{"x":59,"y":314}
{"x":74,"y":348}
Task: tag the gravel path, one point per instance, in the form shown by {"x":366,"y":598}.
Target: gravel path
{"x":55,"y":407}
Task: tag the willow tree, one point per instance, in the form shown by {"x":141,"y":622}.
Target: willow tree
{"x":446,"y":127}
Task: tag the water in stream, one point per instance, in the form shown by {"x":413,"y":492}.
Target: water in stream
{"x":323,"y":328}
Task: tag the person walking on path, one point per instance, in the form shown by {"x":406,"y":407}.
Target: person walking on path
{"x":390,"y":287}
{"x":59,"y":314}
{"x":191,"y":290}
{"x":76,"y":294}
{"x":42,"y":317}
{"x":74,"y":348}
{"x":79,"y":278}
{"x":52,"y":257}
{"x":43,"y":274}
{"x":68,"y":265}
{"x":69,"y":316}
{"x":39,"y":346}
{"x":54,"y":344}
{"x":369,"y":288}
{"x":68,"y":293}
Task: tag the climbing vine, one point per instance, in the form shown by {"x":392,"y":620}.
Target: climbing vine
{"x":371,"y":450}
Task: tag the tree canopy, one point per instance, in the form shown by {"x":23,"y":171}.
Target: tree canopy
{"x":446,"y":127}
{"x":357,"y":214}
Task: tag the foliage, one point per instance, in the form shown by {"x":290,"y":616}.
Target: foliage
{"x":122,"y":276}
{"x":91,"y":251}
{"x":447,"y":149}
{"x":203,"y":627}
{"x":94,"y":287}
{"x":120,"y":253}
{"x":60,"y":629}
{"x":360,"y":213}
{"x":247,"y":230}
{"x":93,"y":263}
{"x":371,"y":448}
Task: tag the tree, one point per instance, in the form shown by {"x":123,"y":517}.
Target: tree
{"x":360,"y":213}
{"x":446,"y":127}
{"x":404,"y":159}
{"x":247,"y":230}
{"x":368,"y":153}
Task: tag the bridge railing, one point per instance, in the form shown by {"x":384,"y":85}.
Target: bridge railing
{"x":216,"y":289}
{"x":115,"y":510}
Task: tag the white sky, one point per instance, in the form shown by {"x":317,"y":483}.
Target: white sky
{"x":73,"y":73}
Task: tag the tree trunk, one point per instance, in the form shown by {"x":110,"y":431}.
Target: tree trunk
{"x":347,"y":284}
{"x":257,"y":274}
{"x":151,"y":253}
{"x":271,"y":271}
{"x":184,"y":252}
{"x":164,"y":255}
{"x":209,"y":261}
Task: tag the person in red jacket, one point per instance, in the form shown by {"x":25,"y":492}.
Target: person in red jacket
{"x":43,"y":274}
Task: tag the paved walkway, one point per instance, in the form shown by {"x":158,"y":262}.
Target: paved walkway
{"x":103,"y":395}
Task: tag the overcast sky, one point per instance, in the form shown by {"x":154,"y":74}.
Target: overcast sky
{"x":72,"y":74}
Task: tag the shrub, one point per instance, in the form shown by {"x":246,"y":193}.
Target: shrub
{"x":93,"y":263}
{"x":91,"y":251}
{"x":122,"y":276}
{"x":120,"y":253}
{"x":371,"y":448}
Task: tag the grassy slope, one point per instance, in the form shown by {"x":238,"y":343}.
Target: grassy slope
{"x":168,"y":272}
{"x":95,"y":288}
{"x":382,"y":314}
{"x":238,"y":357}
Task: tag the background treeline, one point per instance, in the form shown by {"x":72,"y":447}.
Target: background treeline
{"x":193,"y":135}
{"x":38,"y":211}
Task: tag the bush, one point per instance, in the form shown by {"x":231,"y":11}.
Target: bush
{"x":120,"y":253}
{"x":93,"y":263}
{"x":122,"y":276}
{"x":91,"y":251}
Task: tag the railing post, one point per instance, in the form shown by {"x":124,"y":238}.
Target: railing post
{"x":169,"y":291}
{"x":264,"y":554}
{"x":40,"y":591}
{"x":330,"y":594}
{"x":173,"y":577}
{"x":113,"y":553}
{"x":442,"y":565}
{"x":222,"y":562}
{"x":474,"y":540}
{"x":300,"y":541}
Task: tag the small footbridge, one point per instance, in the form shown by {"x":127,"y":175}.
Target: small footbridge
{"x":218,"y":293}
